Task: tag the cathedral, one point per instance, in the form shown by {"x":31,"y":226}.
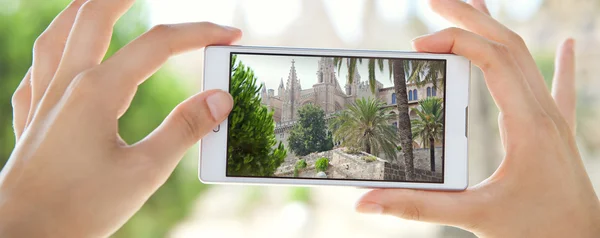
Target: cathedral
{"x":328,"y":94}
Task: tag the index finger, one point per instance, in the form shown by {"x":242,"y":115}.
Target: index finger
{"x":502,"y":75}
{"x":134,"y":63}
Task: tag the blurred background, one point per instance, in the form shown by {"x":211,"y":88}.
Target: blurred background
{"x":184,"y":207}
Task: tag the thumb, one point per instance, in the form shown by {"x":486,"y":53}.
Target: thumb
{"x":185,"y":126}
{"x":450,"y":208}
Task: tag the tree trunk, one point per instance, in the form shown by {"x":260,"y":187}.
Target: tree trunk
{"x":368,"y":148}
{"x":432,"y":153}
{"x":404,"y":129}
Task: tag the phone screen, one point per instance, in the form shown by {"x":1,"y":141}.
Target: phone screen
{"x":336,"y":117}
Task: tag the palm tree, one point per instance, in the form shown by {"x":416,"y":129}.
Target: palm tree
{"x":365,"y":125}
{"x":430,"y":71}
{"x":397,"y":68}
{"x":429,"y":125}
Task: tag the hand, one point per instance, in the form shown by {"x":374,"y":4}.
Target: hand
{"x":70,"y":174}
{"x":541,"y":189}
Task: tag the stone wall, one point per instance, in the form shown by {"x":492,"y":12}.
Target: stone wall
{"x":349,"y":166}
{"x":421,"y":158}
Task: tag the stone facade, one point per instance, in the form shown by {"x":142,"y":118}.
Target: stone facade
{"x":330,"y":96}
{"x":349,"y":166}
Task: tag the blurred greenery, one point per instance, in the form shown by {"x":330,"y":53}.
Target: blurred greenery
{"x":153,"y":101}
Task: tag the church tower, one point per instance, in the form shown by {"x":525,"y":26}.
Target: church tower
{"x":281,"y":89}
{"x":327,"y":86}
{"x":351,"y":88}
{"x":291,"y":97}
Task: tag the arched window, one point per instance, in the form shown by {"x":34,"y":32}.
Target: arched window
{"x":393,"y":98}
{"x":428,"y":92}
{"x":410,"y":95}
{"x":415,"y":95}
{"x":433,"y":92}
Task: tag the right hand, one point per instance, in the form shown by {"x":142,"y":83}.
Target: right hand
{"x":541,"y":189}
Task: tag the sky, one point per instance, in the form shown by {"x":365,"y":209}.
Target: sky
{"x":270,"y":69}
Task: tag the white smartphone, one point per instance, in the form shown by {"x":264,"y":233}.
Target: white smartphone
{"x":339,"y":117}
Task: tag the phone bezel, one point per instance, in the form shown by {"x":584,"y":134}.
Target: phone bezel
{"x":213,"y":147}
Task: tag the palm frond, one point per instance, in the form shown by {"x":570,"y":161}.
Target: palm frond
{"x":372,"y":80}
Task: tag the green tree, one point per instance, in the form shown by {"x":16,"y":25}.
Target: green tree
{"x":399,"y":75}
{"x":310,"y":133}
{"x":429,"y":126}
{"x":365,"y":124}
{"x":253,"y":149}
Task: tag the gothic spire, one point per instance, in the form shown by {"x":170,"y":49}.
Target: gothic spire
{"x":293,"y":83}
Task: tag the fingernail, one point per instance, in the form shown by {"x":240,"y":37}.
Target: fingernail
{"x":219,"y":104}
{"x":369,"y":208}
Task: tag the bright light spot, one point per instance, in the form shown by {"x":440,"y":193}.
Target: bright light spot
{"x":294,"y":217}
{"x":270,"y":17}
{"x":393,"y":10}
{"x":347,"y":18}
{"x":433,"y":21}
{"x":178,"y":11}
{"x":521,"y":10}
{"x":9,"y":6}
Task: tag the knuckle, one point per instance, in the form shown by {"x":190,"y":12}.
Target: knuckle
{"x":84,"y":84}
{"x":497,"y":52}
{"x":192,"y":122}
{"x":411,"y":212}
{"x":500,"y":50}
{"x":20,"y":95}
{"x":44,"y":41}
{"x":161,"y":30}
{"x":162,"y":34}
{"x":90,"y":9}
{"x":515,"y":38}
{"x":453,"y":29}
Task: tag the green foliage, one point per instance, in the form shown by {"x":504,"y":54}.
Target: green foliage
{"x":422,"y":72}
{"x":299,"y":194}
{"x":322,"y":164}
{"x":301,"y":164}
{"x":430,"y":120}
{"x":352,"y":151}
{"x":366,"y":125}
{"x":310,"y":133}
{"x":296,"y":171}
{"x":369,"y":158}
{"x":253,"y":149}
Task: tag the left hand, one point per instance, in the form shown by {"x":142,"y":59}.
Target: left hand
{"x":70,"y":174}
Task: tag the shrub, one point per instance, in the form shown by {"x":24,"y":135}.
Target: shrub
{"x":352,"y":151}
{"x":369,"y":158}
{"x":296,"y":172}
{"x":322,"y":164}
{"x":300,"y":164}
{"x":399,"y":148}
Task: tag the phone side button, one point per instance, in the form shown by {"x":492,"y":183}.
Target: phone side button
{"x":467,"y":122}
{"x":217,"y":129}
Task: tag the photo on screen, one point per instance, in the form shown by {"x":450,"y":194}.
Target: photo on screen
{"x":340,"y":118}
